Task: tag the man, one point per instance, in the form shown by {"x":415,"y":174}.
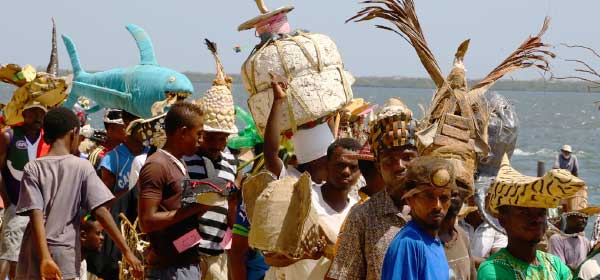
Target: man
{"x":416,"y":252}
{"x":483,"y":238}
{"x":310,"y":145}
{"x":161,"y":186}
{"x":213,"y":159}
{"x":590,"y":267}
{"x":572,"y":247}
{"x":332,"y":202}
{"x":523,"y":215}
{"x":18,"y":146}
{"x":371,"y":226}
{"x":91,"y":237}
{"x":368,"y":169}
{"x":55,"y":189}
{"x":566,"y":160}
{"x":456,"y":241}
{"x":115,"y":135}
{"x":115,"y":167}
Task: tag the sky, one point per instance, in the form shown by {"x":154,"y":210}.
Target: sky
{"x":178,"y":28}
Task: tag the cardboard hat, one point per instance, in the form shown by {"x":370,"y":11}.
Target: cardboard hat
{"x":426,"y":172}
{"x":217,"y":102}
{"x":285,"y":225}
{"x":265,"y":15}
{"x":311,"y":144}
{"x":578,"y":204}
{"x":463,"y":160}
{"x":394,"y":127}
{"x":511,"y":188}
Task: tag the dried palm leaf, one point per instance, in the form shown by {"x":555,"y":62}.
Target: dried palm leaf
{"x":402,"y":14}
{"x":531,"y":53}
{"x":221,"y":78}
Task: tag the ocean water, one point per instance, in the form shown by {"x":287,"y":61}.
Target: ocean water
{"x":547,"y":121}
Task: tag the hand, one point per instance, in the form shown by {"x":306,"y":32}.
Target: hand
{"x":49,"y":270}
{"x":279,"y":86}
{"x":136,"y":265}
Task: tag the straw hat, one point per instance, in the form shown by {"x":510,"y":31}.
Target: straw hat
{"x":217,"y":103}
{"x":394,"y":127}
{"x":566,"y":148}
{"x":266,"y":14}
{"x":515,"y":189}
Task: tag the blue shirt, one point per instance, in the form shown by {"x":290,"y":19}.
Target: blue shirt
{"x":256,"y":267}
{"x":118,"y":162}
{"x":414,"y":254}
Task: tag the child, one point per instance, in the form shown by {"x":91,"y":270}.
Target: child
{"x":53,"y":190}
{"x":92,"y":238}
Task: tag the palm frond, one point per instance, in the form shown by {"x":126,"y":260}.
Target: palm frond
{"x":531,"y":53}
{"x":403,"y":16}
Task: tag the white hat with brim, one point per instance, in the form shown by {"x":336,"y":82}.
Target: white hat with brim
{"x":311,"y":144}
{"x":567,"y":148}
{"x":253,"y":22}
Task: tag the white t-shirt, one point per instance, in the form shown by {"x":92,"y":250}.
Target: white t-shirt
{"x":136,"y":166}
{"x":590,"y":268}
{"x":315,"y":269}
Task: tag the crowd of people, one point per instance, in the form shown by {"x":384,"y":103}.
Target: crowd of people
{"x":395,"y":214}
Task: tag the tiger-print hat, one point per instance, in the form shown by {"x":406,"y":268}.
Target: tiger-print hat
{"x":511,"y":188}
{"x":394,"y":127}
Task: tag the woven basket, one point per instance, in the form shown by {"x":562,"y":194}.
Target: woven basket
{"x":283,"y":221}
{"x":318,"y":83}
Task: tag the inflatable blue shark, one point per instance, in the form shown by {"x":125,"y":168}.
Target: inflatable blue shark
{"x":133,"y":89}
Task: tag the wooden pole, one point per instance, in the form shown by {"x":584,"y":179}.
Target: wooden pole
{"x":541,"y":168}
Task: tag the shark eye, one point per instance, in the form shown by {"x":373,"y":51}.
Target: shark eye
{"x":172,"y":79}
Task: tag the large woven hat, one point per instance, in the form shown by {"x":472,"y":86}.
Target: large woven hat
{"x":515,"y":189}
{"x":285,"y":226}
{"x":217,"y":102}
{"x":578,"y":204}
{"x":394,"y":127}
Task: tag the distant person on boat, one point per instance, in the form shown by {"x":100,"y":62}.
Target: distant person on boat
{"x":417,"y":252}
{"x":566,"y":160}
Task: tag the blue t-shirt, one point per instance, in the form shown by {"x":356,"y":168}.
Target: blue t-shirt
{"x":118,"y":162}
{"x":256,"y":267}
{"x":414,"y":254}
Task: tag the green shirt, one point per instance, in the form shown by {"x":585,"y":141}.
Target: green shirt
{"x":502,"y":265}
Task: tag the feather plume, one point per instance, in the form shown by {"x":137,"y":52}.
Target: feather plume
{"x":403,"y":16}
{"x":531,"y":53}
{"x":221,"y":79}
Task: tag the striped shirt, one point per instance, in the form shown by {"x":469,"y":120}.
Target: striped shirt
{"x":213,"y":223}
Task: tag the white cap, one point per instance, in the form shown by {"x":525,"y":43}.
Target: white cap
{"x":311,"y":144}
{"x":567,"y":148}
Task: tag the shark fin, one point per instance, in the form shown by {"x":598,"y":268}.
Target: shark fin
{"x":144,"y":45}
{"x":104,"y":97}
{"x":73,"y":55}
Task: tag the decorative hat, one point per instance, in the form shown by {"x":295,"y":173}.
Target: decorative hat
{"x":263,"y":19}
{"x":429,"y":171}
{"x":567,"y":148}
{"x":113,"y":116}
{"x":311,"y":144}
{"x":149,"y":130}
{"x":198,"y":191}
{"x":364,"y":154}
{"x":217,"y":103}
{"x":515,"y":189}
{"x":578,"y":205}
{"x":394,"y":127}
{"x":463,"y":160}
{"x":35,"y":104}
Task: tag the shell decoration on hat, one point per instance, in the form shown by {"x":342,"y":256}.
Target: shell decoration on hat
{"x":33,"y":87}
{"x":217,"y":102}
{"x":515,"y":189}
